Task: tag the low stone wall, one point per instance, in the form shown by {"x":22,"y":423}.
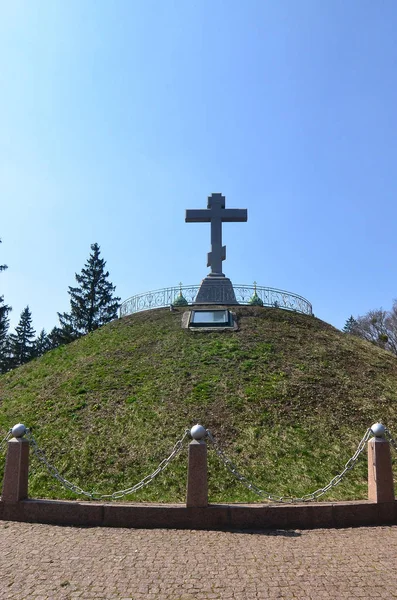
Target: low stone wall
{"x":213,"y":516}
{"x":197,"y":513}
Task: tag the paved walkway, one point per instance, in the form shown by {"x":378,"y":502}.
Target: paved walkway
{"x":44,"y":562}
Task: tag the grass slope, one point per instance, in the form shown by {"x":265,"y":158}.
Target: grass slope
{"x":287,"y":396}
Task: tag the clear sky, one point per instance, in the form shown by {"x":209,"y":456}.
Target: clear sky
{"x":117,"y":116}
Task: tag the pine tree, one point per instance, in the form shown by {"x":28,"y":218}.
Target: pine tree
{"x":92,"y":304}
{"x":4,"y":325}
{"x":41,"y":344}
{"x":59,"y":336}
{"x":54,"y":338}
{"x":22,"y":341}
{"x":351,"y":326}
{"x":4,"y":341}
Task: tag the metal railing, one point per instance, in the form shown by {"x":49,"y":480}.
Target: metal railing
{"x":270,"y":297}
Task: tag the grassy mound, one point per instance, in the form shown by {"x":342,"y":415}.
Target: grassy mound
{"x":287,"y":396}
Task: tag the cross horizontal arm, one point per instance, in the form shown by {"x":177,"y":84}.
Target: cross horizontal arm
{"x":228,"y":215}
{"x":234,"y":215}
{"x":201,"y":215}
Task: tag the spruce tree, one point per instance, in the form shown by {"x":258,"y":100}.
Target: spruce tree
{"x":92,"y":303}
{"x":351,"y":326}
{"x":61,"y":335}
{"x":53,"y":338}
{"x":4,"y":325}
{"x":41,"y":344}
{"x":22,"y":341}
{"x":4,"y":341}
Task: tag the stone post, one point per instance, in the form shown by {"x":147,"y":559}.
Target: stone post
{"x":380,"y":473}
{"x":197,"y":479}
{"x":15,"y":482}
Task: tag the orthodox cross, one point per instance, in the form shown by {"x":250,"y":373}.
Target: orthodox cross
{"x":216,"y":214}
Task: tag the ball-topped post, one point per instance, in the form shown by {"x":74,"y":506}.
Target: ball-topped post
{"x":15,"y":481}
{"x":197,"y":477}
{"x":379,"y":430}
{"x":380,"y":472}
{"x":198,"y":432}
{"x":18,"y":431}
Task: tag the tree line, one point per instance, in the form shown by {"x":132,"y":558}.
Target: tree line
{"x":92,"y":304}
{"x":377,"y":326}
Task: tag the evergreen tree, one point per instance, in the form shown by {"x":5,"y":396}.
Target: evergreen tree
{"x":59,"y":336}
{"x":4,"y":340}
{"x":4,"y":325}
{"x":53,"y":338}
{"x":92,"y":303}
{"x":41,"y":344}
{"x":22,"y":341}
{"x":351,"y":326}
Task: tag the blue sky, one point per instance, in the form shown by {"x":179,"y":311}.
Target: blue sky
{"x":117,"y":116}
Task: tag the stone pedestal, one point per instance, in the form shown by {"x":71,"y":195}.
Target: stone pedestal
{"x":15,"y":483}
{"x":216,"y":290}
{"x":197,"y":479}
{"x":380,"y":474}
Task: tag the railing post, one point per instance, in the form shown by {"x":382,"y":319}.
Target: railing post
{"x":15,"y":482}
{"x":380,"y":473}
{"x":197,"y":475}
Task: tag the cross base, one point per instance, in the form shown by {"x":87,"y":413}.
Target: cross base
{"x":216,"y":290}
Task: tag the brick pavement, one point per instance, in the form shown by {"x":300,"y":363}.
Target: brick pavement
{"x":44,"y":562}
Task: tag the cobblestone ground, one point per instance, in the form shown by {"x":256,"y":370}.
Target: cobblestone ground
{"x":46,"y":562}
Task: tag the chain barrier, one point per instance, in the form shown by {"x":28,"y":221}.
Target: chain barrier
{"x":94,"y":495}
{"x":3,"y":442}
{"x":39,"y":453}
{"x":290,"y":499}
{"x":390,"y":439}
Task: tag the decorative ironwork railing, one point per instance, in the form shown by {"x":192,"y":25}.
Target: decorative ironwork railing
{"x":244,"y":295}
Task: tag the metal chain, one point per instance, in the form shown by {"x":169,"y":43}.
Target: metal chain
{"x":52,"y":470}
{"x":4,"y":441}
{"x":94,"y":495}
{"x":390,"y":439}
{"x":290,"y":499}
{"x":227,"y":462}
{"x":149,"y":478}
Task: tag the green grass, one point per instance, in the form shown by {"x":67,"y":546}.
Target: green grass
{"x":287,"y":396}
